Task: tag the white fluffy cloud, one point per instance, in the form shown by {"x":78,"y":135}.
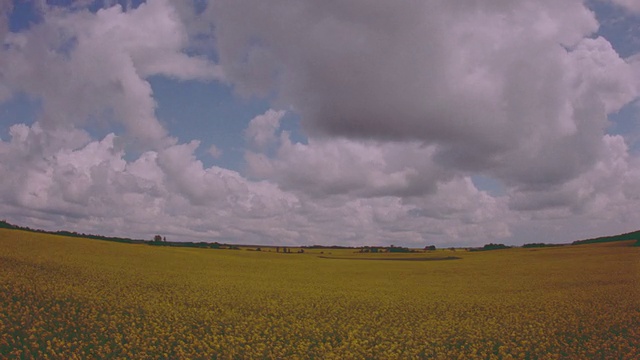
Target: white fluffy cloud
{"x":86,"y":66}
{"x":403,"y":104}
{"x":261,"y":130}
{"x":81,"y":180}
{"x":89,"y":186}
{"x":326,"y":167}
{"x":515,"y":90}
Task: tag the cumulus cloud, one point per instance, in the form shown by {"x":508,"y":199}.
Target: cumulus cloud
{"x":86,"y":66}
{"x":325,"y":167}
{"x":261,"y":130}
{"x":88,"y":182}
{"x":426,"y":70}
{"x":66,"y":178}
{"x":515,"y":90}
{"x":608,"y":182}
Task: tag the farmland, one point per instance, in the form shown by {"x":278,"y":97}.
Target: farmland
{"x":73,"y":298}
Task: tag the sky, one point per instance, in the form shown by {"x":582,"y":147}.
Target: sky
{"x":300,"y":122}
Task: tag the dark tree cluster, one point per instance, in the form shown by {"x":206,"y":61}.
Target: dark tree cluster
{"x":492,"y":246}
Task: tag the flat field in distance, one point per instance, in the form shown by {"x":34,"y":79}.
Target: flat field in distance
{"x":66,"y":298}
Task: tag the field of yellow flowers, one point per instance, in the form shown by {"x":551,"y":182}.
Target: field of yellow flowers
{"x":72,"y":298}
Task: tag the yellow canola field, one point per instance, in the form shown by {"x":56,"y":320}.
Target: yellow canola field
{"x":71,"y":298}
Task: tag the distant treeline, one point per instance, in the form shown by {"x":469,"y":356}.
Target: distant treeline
{"x":191,"y":244}
{"x":635,"y":235}
{"x":160,"y":241}
{"x":155,"y":242}
{"x":328,"y":247}
{"x":362,"y":249}
{"x":6,"y":225}
{"x":491,"y":246}
{"x":539,"y":245}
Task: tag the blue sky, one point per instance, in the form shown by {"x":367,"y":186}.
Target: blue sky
{"x":301,"y":123}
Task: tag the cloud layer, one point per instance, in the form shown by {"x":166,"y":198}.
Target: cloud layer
{"x":404,"y":106}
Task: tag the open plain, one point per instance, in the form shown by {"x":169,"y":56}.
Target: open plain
{"x":74,"y":298}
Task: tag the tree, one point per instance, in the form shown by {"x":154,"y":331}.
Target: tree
{"x":430,"y":247}
{"x":157,"y":238}
{"x":398,"y":249}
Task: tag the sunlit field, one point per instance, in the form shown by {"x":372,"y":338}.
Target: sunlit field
{"x":72,"y":298}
